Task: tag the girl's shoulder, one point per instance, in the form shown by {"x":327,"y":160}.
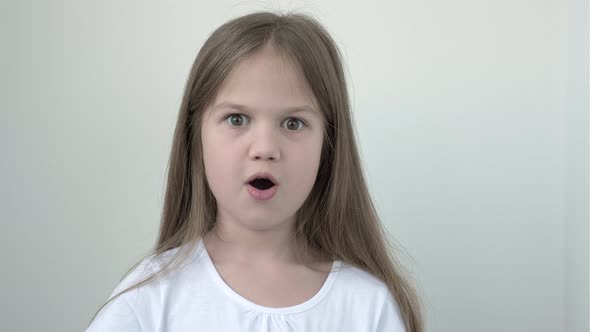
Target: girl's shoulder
{"x":353,"y":275}
{"x":130,"y":301}
{"x":146,"y":268}
{"x":354,"y":282}
{"x":364,"y":290}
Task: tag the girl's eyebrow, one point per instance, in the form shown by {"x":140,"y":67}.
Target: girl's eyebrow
{"x":288,"y":110}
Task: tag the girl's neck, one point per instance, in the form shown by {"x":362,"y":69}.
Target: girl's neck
{"x":230,"y":245}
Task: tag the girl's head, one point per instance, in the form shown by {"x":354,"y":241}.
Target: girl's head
{"x":282,"y":79}
{"x":264,"y":118}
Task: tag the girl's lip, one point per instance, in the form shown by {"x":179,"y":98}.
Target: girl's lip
{"x":262,"y":195}
{"x":263,"y":175}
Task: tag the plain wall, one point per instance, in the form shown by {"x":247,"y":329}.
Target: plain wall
{"x":471,"y":116}
{"x":577,"y":180}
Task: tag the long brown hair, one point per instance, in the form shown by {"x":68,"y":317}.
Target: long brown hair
{"x":338,"y":218}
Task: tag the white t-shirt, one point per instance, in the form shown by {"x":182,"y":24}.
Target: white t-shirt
{"x":195,"y":298}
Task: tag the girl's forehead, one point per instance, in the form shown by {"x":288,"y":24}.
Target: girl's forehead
{"x":266,"y":75}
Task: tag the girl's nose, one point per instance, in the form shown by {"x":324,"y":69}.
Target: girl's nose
{"x":265,"y":144}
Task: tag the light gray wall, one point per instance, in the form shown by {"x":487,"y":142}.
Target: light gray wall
{"x":577,"y":185}
{"x":472,"y":119}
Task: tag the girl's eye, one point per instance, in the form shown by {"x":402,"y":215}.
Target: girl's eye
{"x":292,"y":125}
{"x":237,"y":120}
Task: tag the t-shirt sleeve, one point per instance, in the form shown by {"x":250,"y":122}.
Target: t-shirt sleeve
{"x":390,"y":319}
{"x":119,"y":314}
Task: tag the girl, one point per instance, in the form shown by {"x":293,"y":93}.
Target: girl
{"x":267,"y":221}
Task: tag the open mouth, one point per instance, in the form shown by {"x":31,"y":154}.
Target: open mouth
{"x":262,"y":184}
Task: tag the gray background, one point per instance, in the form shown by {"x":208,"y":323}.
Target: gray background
{"x":472,"y":118}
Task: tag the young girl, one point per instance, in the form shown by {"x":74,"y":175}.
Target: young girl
{"x":267,"y":223}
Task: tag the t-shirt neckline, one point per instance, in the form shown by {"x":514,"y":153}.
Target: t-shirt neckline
{"x":336,"y":264}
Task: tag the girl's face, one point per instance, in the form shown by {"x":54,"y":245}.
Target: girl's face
{"x":253,"y":126}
